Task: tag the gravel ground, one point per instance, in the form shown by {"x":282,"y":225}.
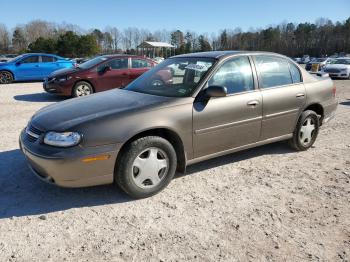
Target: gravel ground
{"x":263,"y":204}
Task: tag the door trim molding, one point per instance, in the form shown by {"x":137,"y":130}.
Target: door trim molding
{"x":226,"y":125}
{"x":236,"y":149}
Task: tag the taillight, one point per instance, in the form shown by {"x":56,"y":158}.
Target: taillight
{"x":334,"y":90}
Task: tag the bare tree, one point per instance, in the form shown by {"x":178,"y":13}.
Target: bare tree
{"x":4,"y":38}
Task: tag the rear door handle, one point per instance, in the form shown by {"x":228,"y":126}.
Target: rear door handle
{"x":253,"y":103}
{"x":300,"y":95}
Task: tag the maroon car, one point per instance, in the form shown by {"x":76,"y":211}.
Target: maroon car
{"x":96,"y":75}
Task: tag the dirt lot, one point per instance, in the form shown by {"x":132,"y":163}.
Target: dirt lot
{"x":264,"y":204}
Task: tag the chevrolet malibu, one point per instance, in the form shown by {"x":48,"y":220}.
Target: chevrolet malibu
{"x":139,"y":136}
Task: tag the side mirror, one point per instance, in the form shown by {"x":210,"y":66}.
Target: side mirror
{"x":107,"y":68}
{"x":216,"y":91}
{"x":18,"y":63}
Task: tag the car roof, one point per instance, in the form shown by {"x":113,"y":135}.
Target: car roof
{"x":223,"y":54}
{"x":124,"y":55}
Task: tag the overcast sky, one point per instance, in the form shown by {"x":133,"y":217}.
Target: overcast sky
{"x":197,"y":15}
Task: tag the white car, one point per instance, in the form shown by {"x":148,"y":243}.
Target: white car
{"x":339,"y":67}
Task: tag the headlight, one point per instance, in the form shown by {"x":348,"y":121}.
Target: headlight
{"x":344,"y":70}
{"x":63,"y":78}
{"x":65,"y":139}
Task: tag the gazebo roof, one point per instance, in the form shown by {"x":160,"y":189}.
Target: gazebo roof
{"x":149,"y":44}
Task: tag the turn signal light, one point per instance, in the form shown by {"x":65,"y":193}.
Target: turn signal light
{"x":95,"y":158}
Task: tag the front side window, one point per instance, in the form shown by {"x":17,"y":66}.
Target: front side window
{"x":115,"y":64}
{"x":235,"y":74}
{"x":31,"y":59}
{"x":140,"y":63}
{"x":175,"y":77}
{"x":274,"y":71}
{"x":48,"y":59}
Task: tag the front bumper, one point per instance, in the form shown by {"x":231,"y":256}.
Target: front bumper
{"x":64,"y":166}
{"x":59,"y":88}
{"x":338,"y":75}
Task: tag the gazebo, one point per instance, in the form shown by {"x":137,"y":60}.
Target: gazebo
{"x":153,"y":49}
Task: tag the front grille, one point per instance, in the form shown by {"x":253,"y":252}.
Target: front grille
{"x":332,"y":70}
{"x":32,"y":133}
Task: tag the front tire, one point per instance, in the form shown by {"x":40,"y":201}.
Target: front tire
{"x":306,"y":131}
{"x":146,"y":166}
{"x":6,"y":77}
{"x":82,"y":88}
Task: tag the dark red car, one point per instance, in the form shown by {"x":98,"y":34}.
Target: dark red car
{"x":96,"y":75}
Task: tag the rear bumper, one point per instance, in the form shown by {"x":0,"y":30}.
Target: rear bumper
{"x":65,"y":166}
{"x":329,"y":111}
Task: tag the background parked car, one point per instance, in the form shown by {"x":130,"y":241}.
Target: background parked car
{"x":98,"y":74}
{"x":6,"y":58}
{"x":33,"y":66}
{"x":317,"y":64}
{"x":339,"y":67}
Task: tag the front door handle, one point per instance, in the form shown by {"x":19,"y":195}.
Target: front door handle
{"x":253,"y":103}
{"x":300,"y":95}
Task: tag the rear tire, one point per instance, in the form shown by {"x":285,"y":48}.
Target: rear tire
{"x":6,"y":77}
{"x":82,"y":88}
{"x":146,"y":166}
{"x":306,"y":131}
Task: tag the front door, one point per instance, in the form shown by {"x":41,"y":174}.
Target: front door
{"x":229,"y":122}
{"x":29,"y":68}
{"x":116,"y":77}
{"x":283,"y":94}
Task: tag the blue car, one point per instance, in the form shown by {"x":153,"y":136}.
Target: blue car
{"x":28,"y":67}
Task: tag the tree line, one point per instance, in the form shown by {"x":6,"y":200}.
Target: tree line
{"x":323,"y":37}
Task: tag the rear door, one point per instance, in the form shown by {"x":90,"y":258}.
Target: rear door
{"x":138,"y":67}
{"x":114,"y":78}
{"x":283,"y":94}
{"x":29,"y":68}
{"x":48,"y":65}
{"x":223,"y":123}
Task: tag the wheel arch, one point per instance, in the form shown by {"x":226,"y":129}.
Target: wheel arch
{"x":9,"y":71}
{"x":166,"y":133}
{"x":317,"y":108}
{"x":84,"y":80}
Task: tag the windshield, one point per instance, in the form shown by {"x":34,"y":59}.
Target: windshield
{"x":92,"y":62}
{"x":174,"y":77}
{"x":341,"y":61}
{"x":320,"y":59}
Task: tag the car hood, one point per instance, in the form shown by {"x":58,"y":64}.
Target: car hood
{"x":64,"y":71}
{"x":337,"y":66}
{"x":64,"y":115}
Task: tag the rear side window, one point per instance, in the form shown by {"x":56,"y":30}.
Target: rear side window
{"x":31,"y":59}
{"x":235,"y":74}
{"x":273,"y":71}
{"x":48,"y":59}
{"x":294,"y":71}
{"x":140,"y":63}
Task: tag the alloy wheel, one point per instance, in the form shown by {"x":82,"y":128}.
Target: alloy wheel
{"x":5,"y":77}
{"x":83,"y":90}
